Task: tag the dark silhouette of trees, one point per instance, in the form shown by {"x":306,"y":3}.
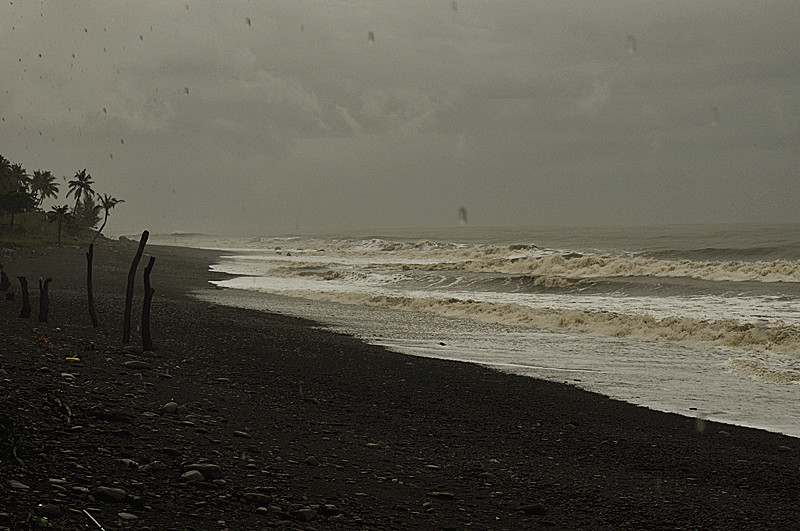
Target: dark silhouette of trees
{"x":106,"y":203}
{"x":59,"y":214}
{"x":81,"y":187}
{"x":43,"y":185}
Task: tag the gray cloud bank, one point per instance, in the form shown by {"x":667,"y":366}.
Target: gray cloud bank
{"x":262,"y":117}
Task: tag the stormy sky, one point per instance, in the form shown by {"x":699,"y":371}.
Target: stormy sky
{"x":264,"y":117}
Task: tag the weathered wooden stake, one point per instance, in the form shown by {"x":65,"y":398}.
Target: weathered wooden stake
{"x":4,"y":282}
{"x":89,"y":256}
{"x":44,"y":299}
{"x":147,"y":341}
{"x":26,"y":302}
{"x":126,"y":325}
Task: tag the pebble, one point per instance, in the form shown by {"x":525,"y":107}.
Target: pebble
{"x":305,"y":515}
{"x":182,"y":411}
{"x":192,"y":475}
{"x":128,"y":516}
{"x":312,"y":461}
{"x":109,"y":494}
{"x":533,"y":508}
{"x":48,"y":509}
{"x":243,"y":434}
{"x":209,"y":470}
{"x":155,"y":465}
{"x":255,"y":497}
{"x":137,"y":364}
{"x":169,"y":408}
{"x":442,"y":495}
{"x":17,"y":485}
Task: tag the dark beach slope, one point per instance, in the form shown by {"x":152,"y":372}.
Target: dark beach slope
{"x":314,"y":430}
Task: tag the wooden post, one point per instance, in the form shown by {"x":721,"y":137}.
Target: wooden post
{"x":147,"y":341}
{"x":26,"y":302}
{"x":126,"y":325}
{"x":4,"y":282}
{"x":89,"y":256}
{"x":44,"y":299}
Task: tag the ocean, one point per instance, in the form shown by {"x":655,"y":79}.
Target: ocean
{"x":700,"y":320}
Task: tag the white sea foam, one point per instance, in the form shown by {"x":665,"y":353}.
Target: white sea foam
{"x":645,"y":326}
{"x":688,"y":320}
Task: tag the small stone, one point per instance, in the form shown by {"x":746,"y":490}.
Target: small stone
{"x":137,"y":365}
{"x":182,"y":411}
{"x":209,"y":470}
{"x":48,"y":509}
{"x":192,"y":475}
{"x":171,"y":451}
{"x":129,"y":463}
{"x":169,"y":408}
{"x":242,"y":434}
{"x":255,"y":497}
{"x":312,"y":461}
{"x":305,"y":515}
{"x":262,"y":510}
{"x":442,"y":495}
{"x":329,"y":510}
{"x":784,"y":448}
{"x":128,"y":516}
{"x":110,"y":494}
{"x":533,"y":509}
{"x":487,"y":476}
{"x":155,"y":465}
{"x":17,"y":485}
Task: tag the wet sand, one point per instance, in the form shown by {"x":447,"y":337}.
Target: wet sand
{"x":314,"y":430}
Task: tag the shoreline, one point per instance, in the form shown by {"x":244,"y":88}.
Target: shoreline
{"x":313,"y":429}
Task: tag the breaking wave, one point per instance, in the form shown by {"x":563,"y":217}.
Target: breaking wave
{"x":726,"y":332}
{"x":560,"y":265}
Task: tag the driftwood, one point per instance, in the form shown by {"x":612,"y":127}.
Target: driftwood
{"x":147,"y":341}
{"x":44,"y":299}
{"x":26,"y":301}
{"x":126,"y":325}
{"x":89,"y":257}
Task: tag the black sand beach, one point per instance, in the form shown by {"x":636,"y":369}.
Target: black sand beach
{"x":295,"y":427}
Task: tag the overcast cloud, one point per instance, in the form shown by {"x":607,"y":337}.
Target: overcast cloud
{"x":264,"y":117}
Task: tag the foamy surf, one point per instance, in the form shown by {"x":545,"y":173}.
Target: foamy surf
{"x":694,"y":321}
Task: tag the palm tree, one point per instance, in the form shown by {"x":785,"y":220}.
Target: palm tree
{"x":19,"y":178}
{"x":107,"y":203}
{"x":43,"y":185}
{"x":14,"y":195}
{"x":5,"y":175}
{"x":59,"y":214}
{"x":81,"y":186}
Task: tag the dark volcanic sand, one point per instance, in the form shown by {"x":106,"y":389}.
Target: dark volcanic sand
{"x":334,"y":433}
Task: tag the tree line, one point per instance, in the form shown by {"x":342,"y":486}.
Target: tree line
{"x":22,"y":192}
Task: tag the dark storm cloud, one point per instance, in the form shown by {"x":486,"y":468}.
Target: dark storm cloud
{"x":242,"y":116}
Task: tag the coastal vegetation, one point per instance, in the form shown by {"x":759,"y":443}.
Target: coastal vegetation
{"x":24,"y":220}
